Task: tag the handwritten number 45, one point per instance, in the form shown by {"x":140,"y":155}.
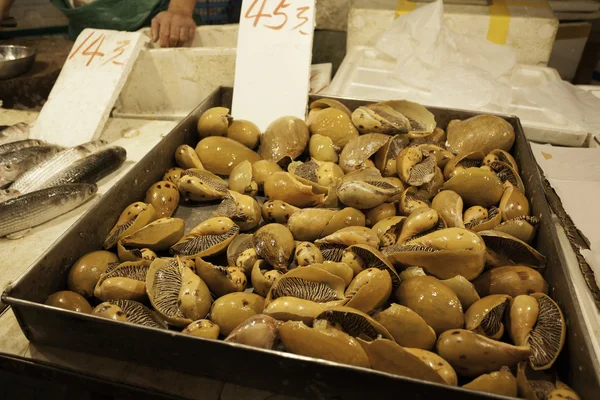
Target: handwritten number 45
{"x":279,"y":12}
{"x":93,"y":49}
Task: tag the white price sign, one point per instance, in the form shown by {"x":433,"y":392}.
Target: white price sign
{"x":87,"y":87}
{"x":274,"y":54}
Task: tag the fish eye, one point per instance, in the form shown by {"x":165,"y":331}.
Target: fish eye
{"x":8,"y":167}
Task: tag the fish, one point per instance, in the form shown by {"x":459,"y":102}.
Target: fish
{"x":15,"y":163}
{"x":37,"y":177}
{"x":20,"y":144}
{"x":23,"y":212}
{"x":14,"y":133}
{"x":92,"y":168}
{"x":6,"y":194}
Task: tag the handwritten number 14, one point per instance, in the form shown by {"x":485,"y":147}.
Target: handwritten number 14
{"x":279,"y":12}
{"x":93,"y":49}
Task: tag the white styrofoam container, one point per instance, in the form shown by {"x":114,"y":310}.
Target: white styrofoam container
{"x":366,"y":74}
{"x":594,"y":139}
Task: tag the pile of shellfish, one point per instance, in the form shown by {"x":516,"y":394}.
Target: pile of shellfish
{"x":369,"y":237}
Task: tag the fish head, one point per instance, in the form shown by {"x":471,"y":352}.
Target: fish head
{"x":9,"y":172}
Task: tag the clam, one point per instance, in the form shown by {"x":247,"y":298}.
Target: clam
{"x":203,"y":328}
{"x":502,"y":156}
{"x":444,"y":253}
{"x":277,"y":211}
{"x":482,"y":133}
{"x":435,"y":302}
{"x":369,"y":290}
{"x":388,"y":230}
{"x":284,"y":140}
{"x":523,"y":228}
{"x":323,"y":173}
{"x":309,"y":283}
{"x":428,"y":190}
{"x":178,"y":294}
{"x":476,"y":186}
{"x":124,"y":281}
{"x":263,"y":277}
{"x":437,"y":137}
{"x":395,"y":181}
{"x":360,"y":149}
{"x":241,"y":180}
{"x":479,"y":219}
{"x":355,"y":323}
{"x":522,"y":316}
{"x":382,"y":211}
{"x":275,"y":244}
{"x":259,"y":330}
{"x":387,"y":356}
{"x":437,"y":363}
{"x":512,"y":280}
{"x":209,"y":238}
{"x":186,"y":158}
{"x":158,"y":235}
{"x":173,"y":175}
{"x":365,"y":188}
{"x":461,"y":162}
{"x":332,"y":123}
{"x":501,"y":382}
{"x":285,"y":187}
{"x":338,"y":269}
{"x":510,"y":250}
{"x":547,"y":337}
{"x":385,"y":158}
{"x":411,"y":272}
{"x":201,"y":185}
{"x":343,"y":218}
{"x":214,"y":122}
{"x":465,"y":290}
{"x":414,"y":168}
{"x":164,"y":197}
{"x":86,"y":271}
{"x":323,"y":103}
{"x":221,"y":280}
{"x":307,"y":253}
{"x":535,"y":385}
{"x":289,"y":308}
{"x":241,"y":253}
{"x":506,"y":173}
{"x":361,"y":256}
{"x":485,"y":316}
{"x":421,"y":121}
{"x":68,"y":300}
{"x":262,"y":169}
{"x":321,"y":148}
{"x":134,"y":254}
{"x":306,"y":173}
{"x":309,"y":224}
{"x":134,"y":217}
{"x":407,"y":327}
{"x":380,"y":119}
{"x":419,"y":222}
{"x":410,"y":200}
{"x":472,"y":354}
{"x":220,"y":155}
{"x":449,"y":206}
{"x":129,"y":311}
{"x":230,"y":310}
{"x":245,"y":132}
{"x":441,"y":155}
{"x":349,"y":236}
{"x":324,"y":342}
{"x":513,"y":203}
{"x":242,"y":209}
{"x":562,"y":392}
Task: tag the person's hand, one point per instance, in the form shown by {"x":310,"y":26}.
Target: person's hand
{"x":172,"y":28}
{"x":5,"y":8}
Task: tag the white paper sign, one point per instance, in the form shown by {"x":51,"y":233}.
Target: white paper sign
{"x":274,"y":55}
{"x":87,"y":87}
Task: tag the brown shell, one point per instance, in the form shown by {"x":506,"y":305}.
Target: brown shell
{"x":284,"y":140}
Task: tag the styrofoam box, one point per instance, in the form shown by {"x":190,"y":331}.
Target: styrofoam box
{"x":594,"y":139}
{"x":366,"y":74}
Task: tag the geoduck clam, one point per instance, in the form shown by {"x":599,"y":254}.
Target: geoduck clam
{"x":208,"y":238}
{"x":512,"y":280}
{"x":472,"y":354}
{"x":508,"y":250}
{"x":259,"y":330}
{"x":388,"y":230}
{"x":286,"y":187}
{"x":201,"y":185}
{"x":369,"y":290}
{"x":407,"y":327}
{"x":523,"y":228}
{"x":129,"y":311}
{"x":164,"y":197}
{"x":478,"y":218}
{"x":221,"y":280}
{"x":485,"y":316}
{"x":241,"y":179}
{"x":133,"y":218}
{"x":476,"y":186}
{"x":501,"y":382}
{"x":232,"y":309}
{"x":365,"y":188}
{"x":482,"y":133}
{"x":124,"y":281}
{"x":214,"y":122}
{"x":186,"y":158}
{"x":385,"y":157}
{"x":284,"y":140}
{"x":449,"y":206}
{"x":220,"y":155}
{"x":443,"y":253}
{"x":177,"y":293}
{"x":355,"y":323}
{"x":274,"y":243}
{"x":415,"y":167}
{"x":360,"y":149}
{"x":242,"y":209}
{"x":263,"y":276}
{"x":158,"y":235}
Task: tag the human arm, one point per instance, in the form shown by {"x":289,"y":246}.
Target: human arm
{"x":5,"y":6}
{"x":175,"y":26}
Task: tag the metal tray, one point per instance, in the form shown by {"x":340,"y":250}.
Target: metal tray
{"x":275,"y":371}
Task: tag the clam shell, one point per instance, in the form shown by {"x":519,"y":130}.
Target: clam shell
{"x":86,"y":271}
{"x":485,"y":315}
{"x":344,"y":218}
{"x":231,"y":310}
{"x":173,"y":175}
{"x":421,"y":121}
{"x":159,"y":235}
{"x":476,"y":186}
{"x":428,"y":190}
{"x":407,"y":327}
{"x":201,"y":185}
{"x":262,"y":169}
{"x":388,"y":230}
{"x":164,"y":197}
{"x":321,"y":148}
{"x":350,"y":236}
{"x":278,"y":211}
{"x":410,"y":200}
{"x":245,"y":132}
{"x":414,"y":168}
{"x":369,"y":290}
{"x":241,"y":180}
{"x":275,"y":244}
{"x":420,"y":221}
{"x":68,"y":300}
{"x":511,"y":251}
{"x":487,"y":220}
{"x":381,"y":212}
{"x":241,"y":209}
{"x":522,"y":316}
{"x":513,"y":203}
{"x":449,"y":206}
{"x":285,"y":187}
{"x":336,"y":268}
{"x":294,"y":309}
{"x":124,"y":281}
{"x":186,"y":157}
{"x":465,"y":290}
{"x":365,"y":188}
{"x":263,"y":278}
{"x":284,"y":140}
{"x":221,"y":280}
{"x":203,"y":328}
{"x":209,"y":238}
{"x":502,"y":156}
{"x":523,"y":228}
{"x":482,"y":133}
{"x":360,"y":149}
{"x":307,"y":253}
{"x":501,"y":382}
{"x":329,"y":103}
{"x":462,"y":161}
{"x":129,"y":311}
{"x":354,"y":322}
{"x":547,"y":337}
{"x":512,"y":280}
{"x":438,"y":364}
{"x":441,"y":155}
{"x":308,"y":224}
{"x":220,"y":155}
{"x":361,"y":256}
{"x":260,"y":331}
{"x":214,"y":122}
{"x":385,"y":158}
{"x":334,"y":124}
{"x":133,"y":218}
{"x":507,"y":173}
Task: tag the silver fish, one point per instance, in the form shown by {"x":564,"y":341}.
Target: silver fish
{"x":92,"y":168}
{"x":15,"y":132}
{"x":37,"y":177}
{"x":6,"y":194}
{"x":20,"y":144}
{"x":26,"y":211}
{"x":15,"y":163}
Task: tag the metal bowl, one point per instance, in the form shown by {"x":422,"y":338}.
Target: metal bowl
{"x":15,"y":60}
